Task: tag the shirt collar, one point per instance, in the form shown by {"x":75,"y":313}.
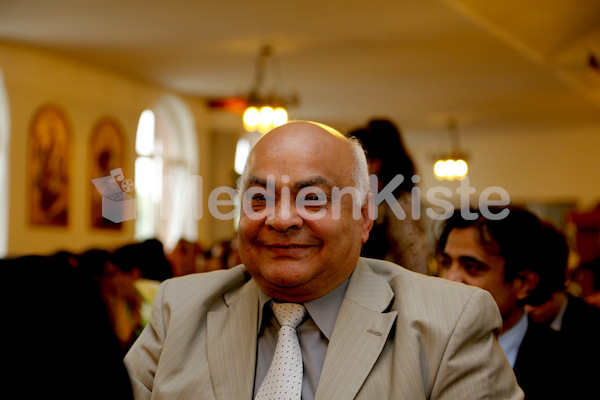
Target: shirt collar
{"x":512,"y":338}
{"x":323,"y":310}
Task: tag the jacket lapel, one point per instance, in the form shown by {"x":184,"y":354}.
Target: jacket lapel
{"x":232,"y":335}
{"x":359,"y":335}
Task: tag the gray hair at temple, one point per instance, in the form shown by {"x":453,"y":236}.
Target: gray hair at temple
{"x":360,"y":174}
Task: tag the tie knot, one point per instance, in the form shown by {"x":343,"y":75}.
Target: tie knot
{"x":289,"y":314}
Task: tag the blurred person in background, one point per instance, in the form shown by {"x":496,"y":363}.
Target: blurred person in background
{"x":187,"y":258}
{"x":564,"y":312}
{"x":59,"y":336}
{"x":131,"y":279}
{"x":577,"y":323}
{"x":403,"y":242}
{"x":585,"y":282}
{"x":223,"y":254}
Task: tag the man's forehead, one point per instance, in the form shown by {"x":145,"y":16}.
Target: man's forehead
{"x":285,"y":180}
{"x":465,"y":242}
{"x":301,"y":151}
{"x":302,"y":168}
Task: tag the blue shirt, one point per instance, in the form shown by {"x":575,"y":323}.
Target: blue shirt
{"x":511,"y":339}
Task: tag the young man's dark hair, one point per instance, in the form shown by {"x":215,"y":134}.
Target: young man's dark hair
{"x":525,"y":243}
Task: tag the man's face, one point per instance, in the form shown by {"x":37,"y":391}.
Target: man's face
{"x":299,"y":254}
{"x":467,"y":261}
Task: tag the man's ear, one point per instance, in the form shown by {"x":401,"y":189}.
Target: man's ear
{"x":368,"y":216}
{"x":527,"y":281}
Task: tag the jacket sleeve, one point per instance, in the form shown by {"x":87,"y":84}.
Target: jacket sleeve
{"x":142,"y":359}
{"x":474,"y":365}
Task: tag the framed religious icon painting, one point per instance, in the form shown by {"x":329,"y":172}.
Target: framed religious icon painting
{"x":49,"y":167}
{"x":106,"y":155}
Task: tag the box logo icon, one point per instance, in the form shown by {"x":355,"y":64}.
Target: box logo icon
{"x":117,"y":204}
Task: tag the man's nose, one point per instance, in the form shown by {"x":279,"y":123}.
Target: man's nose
{"x":284,"y":216}
{"x":454,"y":273}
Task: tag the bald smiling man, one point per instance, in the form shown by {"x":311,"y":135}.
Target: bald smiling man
{"x":371,"y":329}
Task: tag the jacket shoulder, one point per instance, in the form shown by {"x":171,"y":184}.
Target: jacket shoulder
{"x":192,"y":293}
{"x":418,"y":296}
{"x":447,"y":329}
{"x":403,"y":279}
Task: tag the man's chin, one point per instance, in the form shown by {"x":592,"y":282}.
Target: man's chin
{"x":284,"y":283}
{"x":285,"y":278}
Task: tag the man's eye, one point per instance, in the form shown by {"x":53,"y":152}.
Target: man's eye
{"x":474,"y":268}
{"x":259,"y":201}
{"x":314,"y":197}
{"x":314,"y":200}
{"x":445,"y":262}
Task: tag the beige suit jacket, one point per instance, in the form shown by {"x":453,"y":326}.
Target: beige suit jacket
{"x":398,"y":335}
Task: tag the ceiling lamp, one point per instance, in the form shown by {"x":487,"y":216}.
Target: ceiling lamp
{"x":265,"y":111}
{"x":453,"y":164}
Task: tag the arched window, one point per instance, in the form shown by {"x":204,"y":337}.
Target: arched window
{"x":4,"y":165}
{"x":165,"y":168}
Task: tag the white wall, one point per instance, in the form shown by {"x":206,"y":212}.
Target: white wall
{"x":543,"y":166}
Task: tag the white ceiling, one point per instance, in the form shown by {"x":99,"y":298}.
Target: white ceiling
{"x":494,"y":66}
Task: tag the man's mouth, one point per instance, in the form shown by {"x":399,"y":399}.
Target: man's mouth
{"x":287,"y":246}
{"x":288,"y":249}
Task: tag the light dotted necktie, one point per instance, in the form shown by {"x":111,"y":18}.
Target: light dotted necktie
{"x":284,"y":377}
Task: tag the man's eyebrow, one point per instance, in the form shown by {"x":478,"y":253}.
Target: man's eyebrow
{"x":314,"y":181}
{"x":471,"y":259}
{"x":255,"y":181}
{"x":465,"y":258}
